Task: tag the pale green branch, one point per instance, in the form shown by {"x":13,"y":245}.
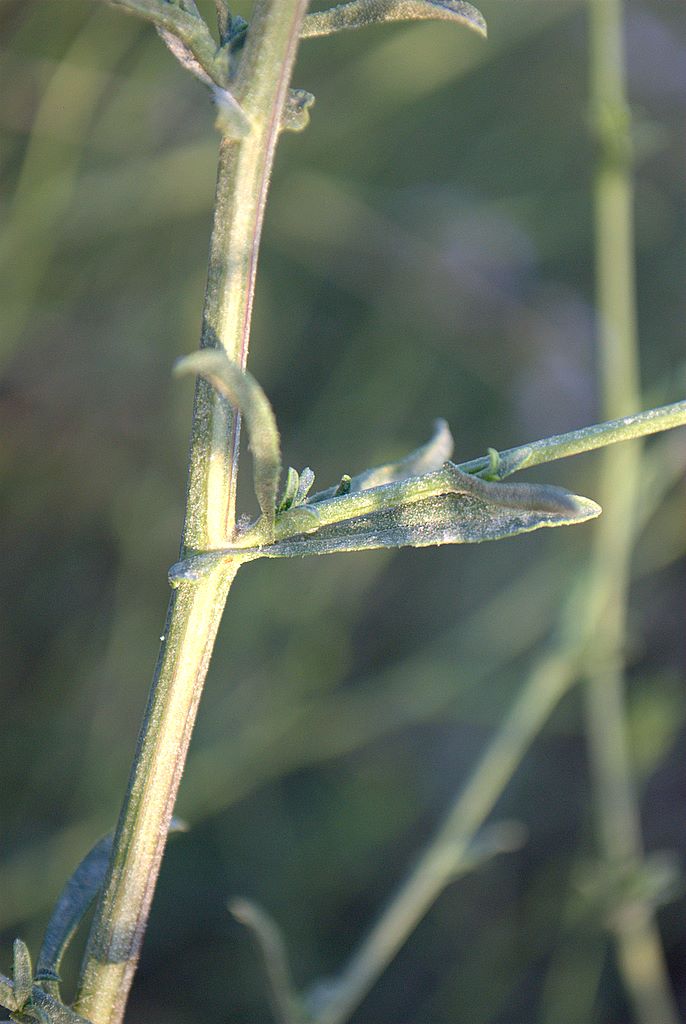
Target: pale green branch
{"x":188,"y":28}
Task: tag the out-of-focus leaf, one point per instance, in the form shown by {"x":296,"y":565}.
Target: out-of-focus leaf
{"x":441,"y":519}
{"x":243,"y":391}
{"x":428,"y":457}
{"x":425,"y":459}
{"x":359,"y":13}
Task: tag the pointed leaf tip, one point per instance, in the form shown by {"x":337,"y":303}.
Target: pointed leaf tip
{"x":359,"y":13}
{"x":23,"y":973}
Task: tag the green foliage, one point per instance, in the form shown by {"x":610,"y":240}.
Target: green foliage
{"x":310,"y":713}
{"x":246,"y":395}
{"x":359,"y":13}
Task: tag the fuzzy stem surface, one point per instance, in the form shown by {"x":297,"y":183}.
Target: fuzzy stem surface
{"x":195,"y":610}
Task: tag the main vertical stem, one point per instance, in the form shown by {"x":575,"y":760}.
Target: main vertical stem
{"x":195,"y":609}
{"x":639,"y":950}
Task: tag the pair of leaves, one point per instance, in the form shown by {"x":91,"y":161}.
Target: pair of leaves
{"x":418,"y":501}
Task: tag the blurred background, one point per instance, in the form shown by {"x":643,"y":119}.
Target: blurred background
{"x":428,"y":250}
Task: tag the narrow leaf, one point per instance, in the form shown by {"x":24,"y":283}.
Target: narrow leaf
{"x":430,"y":456}
{"x":23,"y":973}
{"x":359,"y":13}
{"x":296,"y":110}
{"x":72,"y":904}
{"x":246,"y":395}
{"x":53,"y":1010}
{"x":289,"y":490}
{"x":304,"y":486}
{"x":441,"y":519}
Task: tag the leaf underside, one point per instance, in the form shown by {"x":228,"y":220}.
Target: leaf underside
{"x":441,"y":519}
{"x":359,"y":13}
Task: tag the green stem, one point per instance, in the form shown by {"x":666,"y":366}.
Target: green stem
{"x":639,"y":950}
{"x":448,"y":850}
{"x":587,"y":439}
{"x":195,"y":609}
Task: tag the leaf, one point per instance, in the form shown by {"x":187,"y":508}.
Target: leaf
{"x":45,"y":1007}
{"x":296,"y":110}
{"x":246,"y":395}
{"x":304,"y":486}
{"x":23,"y":973}
{"x":428,"y":457}
{"x":440,"y":519}
{"x":360,"y":13}
{"x":72,"y":904}
{"x":289,"y":490}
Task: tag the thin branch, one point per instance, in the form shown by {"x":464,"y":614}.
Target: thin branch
{"x":189,"y":29}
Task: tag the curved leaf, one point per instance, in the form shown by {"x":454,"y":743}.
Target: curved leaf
{"x":72,"y":904}
{"x":359,"y":13}
{"x":425,"y":459}
{"x":246,"y":395}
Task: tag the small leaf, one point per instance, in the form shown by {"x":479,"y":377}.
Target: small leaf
{"x":23,"y":973}
{"x":428,"y":457}
{"x":246,"y":395}
{"x":425,"y":459}
{"x":296,"y":110}
{"x":359,"y":13}
{"x":304,"y":486}
{"x":441,"y":519}
{"x":289,"y":491}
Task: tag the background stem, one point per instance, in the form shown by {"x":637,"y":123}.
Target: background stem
{"x":195,"y":610}
{"x":639,"y":951}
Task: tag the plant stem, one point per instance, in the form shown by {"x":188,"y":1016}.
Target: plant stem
{"x":639,"y":951}
{"x":448,"y":849}
{"x":586,"y":439}
{"x":195,"y":609}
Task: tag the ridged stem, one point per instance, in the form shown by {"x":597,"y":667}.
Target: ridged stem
{"x":195,"y":609}
{"x":639,"y":950}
